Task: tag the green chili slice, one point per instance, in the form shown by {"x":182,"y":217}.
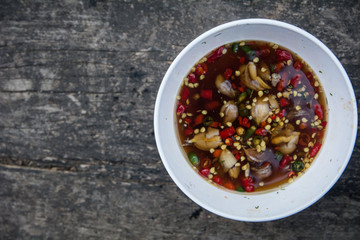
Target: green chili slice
{"x":298,"y":166}
{"x":250,"y":53}
{"x":240,"y":189}
{"x":249,"y":132}
{"x":235,"y":47}
{"x":194,"y":159}
{"x":208,"y":120}
{"x":243,"y":112}
{"x":242,"y":97}
{"x":278,"y":156}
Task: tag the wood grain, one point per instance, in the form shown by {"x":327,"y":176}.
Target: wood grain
{"x":78,"y":84}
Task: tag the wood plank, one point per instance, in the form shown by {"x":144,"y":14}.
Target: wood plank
{"x":78,"y":83}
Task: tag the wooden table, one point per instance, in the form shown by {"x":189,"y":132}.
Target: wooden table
{"x":78,"y":82}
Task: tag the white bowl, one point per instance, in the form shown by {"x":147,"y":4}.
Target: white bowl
{"x":331,"y":160}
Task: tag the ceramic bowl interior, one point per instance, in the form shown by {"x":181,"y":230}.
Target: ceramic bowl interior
{"x":331,"y":160}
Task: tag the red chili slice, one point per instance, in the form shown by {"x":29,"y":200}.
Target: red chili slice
{"x":319,"y":111}
{"x":284,"y":102}
{"x":261,"y":132}
{"x":218,"y":180}
{"x":215,"y":55}
{"x":295,"y":80}
{"x":198,"y":119}
{"x":188,"y":131}
{"x":205,"y":172}
{"x":304,"y":139}
{"x":243,"y":121}
{"x":180,"y":109}
{"x":309,"y":75}
{"x":242,"y":60}
{"x":282,"y":113}
{"x":185,"y":94}
{"x":282,"y":55}
{"x":187,"y":120}
{"x":227,"y":132}
{"x":315,"y":149}
{"x":298,"y":65}
{"x":201,"y":69}
{"x":284,"y":161}
{"x":247,"y":184}
{"x":206,"y":93}
{"x":284,"y":81}
{"x":227,"y":73}
{"x":278,"y":66}
{"x":212,"y":105}
{"x":192,"y":78}
{"x":324,"y":123}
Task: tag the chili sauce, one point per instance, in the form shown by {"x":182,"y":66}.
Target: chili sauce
{"x":251,"y":116}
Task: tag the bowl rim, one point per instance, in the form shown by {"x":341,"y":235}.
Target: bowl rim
{"x":208,"y":34}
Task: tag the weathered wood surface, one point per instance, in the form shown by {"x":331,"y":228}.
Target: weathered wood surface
{"x":78,"y":82}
